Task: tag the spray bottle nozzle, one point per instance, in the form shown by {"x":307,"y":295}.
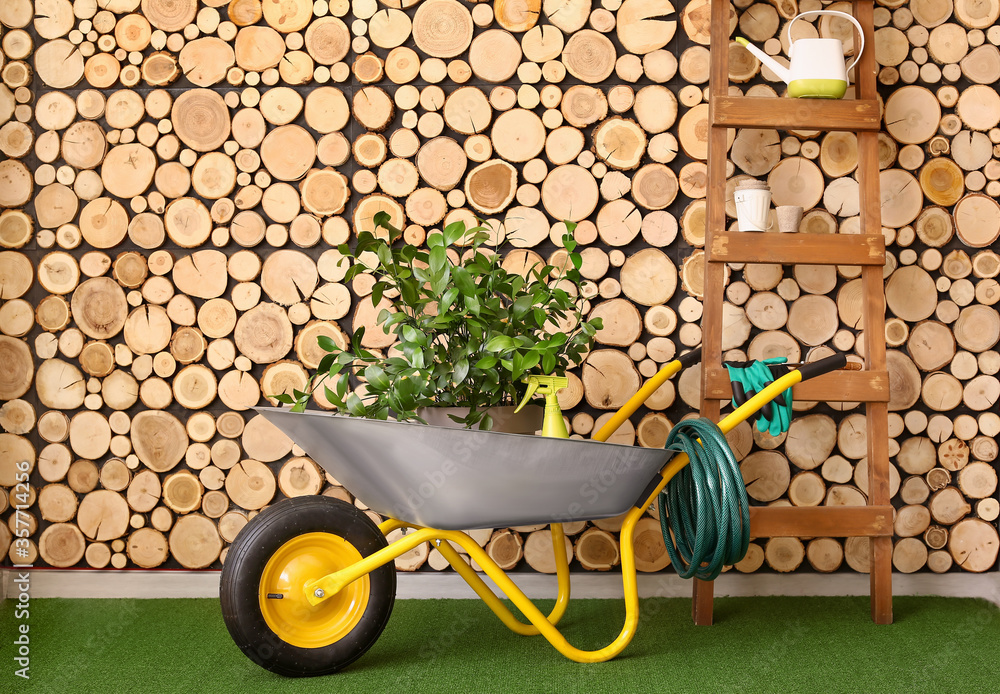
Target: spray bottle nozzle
{"x":543,"y":385}
{"x":552,"y":424}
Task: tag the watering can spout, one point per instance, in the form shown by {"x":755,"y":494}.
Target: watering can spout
{"x":773,"y":65}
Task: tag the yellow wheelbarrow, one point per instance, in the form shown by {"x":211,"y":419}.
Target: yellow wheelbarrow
{"x":309,"y":584}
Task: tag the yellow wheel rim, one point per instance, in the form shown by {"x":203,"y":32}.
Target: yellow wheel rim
{"x":298,"y":561}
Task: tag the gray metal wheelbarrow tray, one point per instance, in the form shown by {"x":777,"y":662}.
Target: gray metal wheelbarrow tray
{"x":460,"y":479}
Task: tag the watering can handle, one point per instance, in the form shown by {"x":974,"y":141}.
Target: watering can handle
{"x":861,"y":32}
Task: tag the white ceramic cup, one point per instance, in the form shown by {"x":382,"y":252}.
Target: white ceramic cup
{"x":752,"y":206}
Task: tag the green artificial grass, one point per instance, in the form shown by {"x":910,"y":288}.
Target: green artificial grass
{"x":784,"y":644}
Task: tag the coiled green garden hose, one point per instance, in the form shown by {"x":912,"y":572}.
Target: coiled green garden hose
{"x":704,"y":512}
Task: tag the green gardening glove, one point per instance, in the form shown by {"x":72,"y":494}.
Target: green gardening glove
{"x":759,"y":376}
{"x":743,"y":385}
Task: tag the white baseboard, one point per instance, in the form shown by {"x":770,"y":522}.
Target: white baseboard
{"x":51,"y":583}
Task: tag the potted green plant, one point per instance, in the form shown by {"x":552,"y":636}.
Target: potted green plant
{"x":468,"y":330}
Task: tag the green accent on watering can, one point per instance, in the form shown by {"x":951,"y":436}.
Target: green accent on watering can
{"x":817,"y":89}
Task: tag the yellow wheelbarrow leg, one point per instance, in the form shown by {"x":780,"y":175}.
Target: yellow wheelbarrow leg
{"x":539,"y":620}
{"x":495,"y":604}
{"x":562,"y":572}
{"x":467,"y":572}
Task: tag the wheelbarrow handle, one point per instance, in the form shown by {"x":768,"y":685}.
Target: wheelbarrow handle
{"x":650,"y":387}
{"x":740,"y":396}
{"x":778,"y":386}
{"x":818,"y":368}
{"x":690,"y":358}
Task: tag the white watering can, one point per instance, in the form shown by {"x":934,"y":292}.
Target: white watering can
{"x":817,"y":68}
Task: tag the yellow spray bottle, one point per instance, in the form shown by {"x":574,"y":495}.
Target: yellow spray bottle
{"x":553,"y":424}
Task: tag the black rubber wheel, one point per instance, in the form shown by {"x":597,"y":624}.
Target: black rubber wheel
{"x":305,"y":537}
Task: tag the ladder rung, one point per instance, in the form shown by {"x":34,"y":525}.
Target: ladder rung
{"x":820,"y":521}
{"x":839,"y":386}
{"x":809,"y":249}
{"x":794,"y":114}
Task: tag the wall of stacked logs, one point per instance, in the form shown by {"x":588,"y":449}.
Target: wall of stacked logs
{"x":176,"y":175}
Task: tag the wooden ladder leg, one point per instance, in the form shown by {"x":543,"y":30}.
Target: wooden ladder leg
{"x":711,"y":355}
{"x":881,"y":580}
{"x":702,"y":602}
{"x":874,"y":324}
{"x":878,"y":485}
{"x":703,"y":595}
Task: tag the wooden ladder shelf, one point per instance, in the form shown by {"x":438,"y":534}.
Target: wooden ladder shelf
{"x":871,"y":386}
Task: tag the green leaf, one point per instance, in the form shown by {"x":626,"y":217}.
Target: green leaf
{"x":408,"y":253}
{"x":530,"y":361}
{"x":568,"y":240}
{"x":454,"y":232}
{"x":523,"y":305}
{"x":326,"y":362}
{"x":334,"y":399}
{"x":409,"y":293}
{"x":540,"y":317}
{"x":327,"y":344}
{"x":377,"y":290}
{"x":423,"y":274}
{"x":448,"y":298}
{"x":463,"y":281}
{"x":283,"y":398}
{"x":475,"y":329}
{"x":472,"y":304}
{"x":411,"y":334}
{"x":384,"y":254}
{"x":391,"y":318}
{"x":500,"y":343}
{"x":376,"y":377}
{"x":357,"y":337}
{"x":440,"y":283}
{"x":355,"y":406}
{"x":487,"y":362}
{"x":548,"y":363}
{"x":517,"y":366}
{"x":461,"y":371}
{"x":417,"y":359}
{"x":438,"y":259}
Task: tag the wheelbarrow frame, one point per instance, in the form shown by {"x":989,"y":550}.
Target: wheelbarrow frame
{"x":322,"y":588}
